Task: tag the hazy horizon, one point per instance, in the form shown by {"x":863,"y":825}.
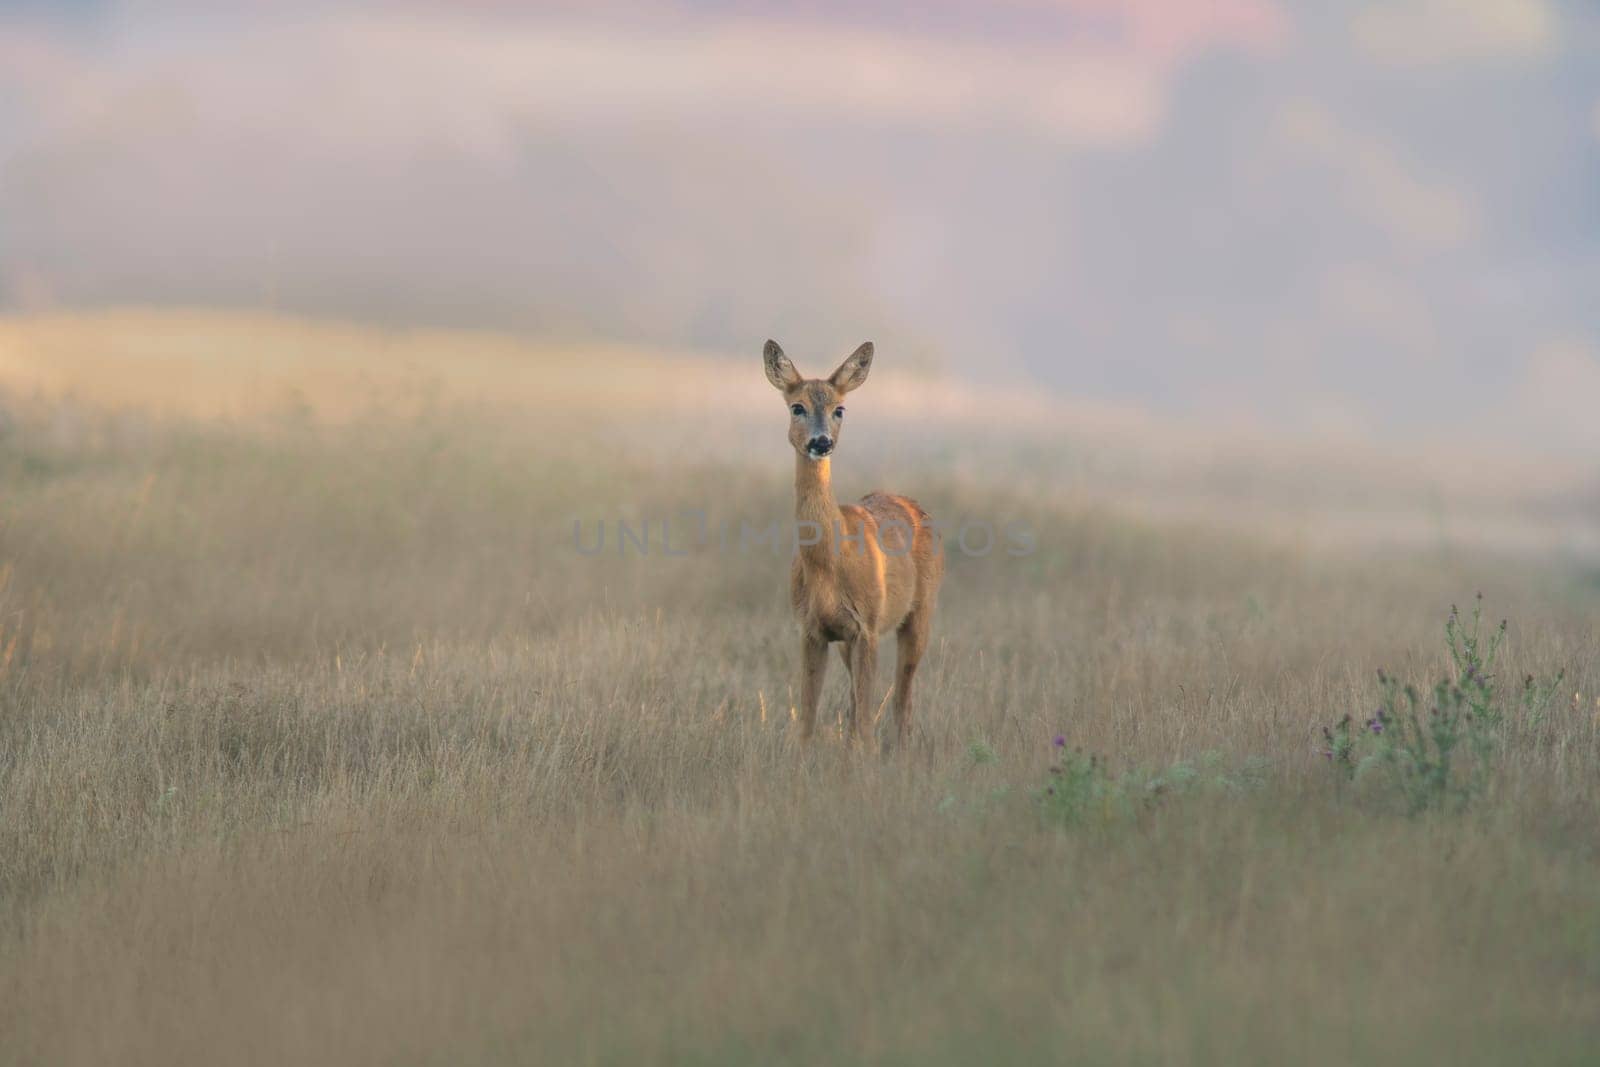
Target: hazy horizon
{"x":1374,"y":220}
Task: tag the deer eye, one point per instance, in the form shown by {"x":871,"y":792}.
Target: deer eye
{"x":797,"y":409}
{"x":838,"y":413}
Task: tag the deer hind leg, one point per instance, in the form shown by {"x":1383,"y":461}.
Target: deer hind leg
{"x":813,"y":669}
{"x":862,"y":656}
{"x":910,"y":642}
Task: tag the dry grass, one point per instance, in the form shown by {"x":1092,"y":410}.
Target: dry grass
{"x":320,"y":743}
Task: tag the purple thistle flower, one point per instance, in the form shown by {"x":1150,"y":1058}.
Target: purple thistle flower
{"x":1060,"y":742}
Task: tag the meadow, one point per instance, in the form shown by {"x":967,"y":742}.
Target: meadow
{"x":320,"y":742}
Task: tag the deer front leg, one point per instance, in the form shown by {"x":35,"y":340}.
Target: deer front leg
{"x":813,"y":668}
{"x":863,"y":667}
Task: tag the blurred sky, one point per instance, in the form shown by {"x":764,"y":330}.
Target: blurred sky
{"x":1371,"y":219}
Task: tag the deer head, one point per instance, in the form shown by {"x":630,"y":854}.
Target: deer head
{"x":816,"y":411}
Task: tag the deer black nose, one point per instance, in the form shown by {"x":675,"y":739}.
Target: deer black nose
{"x":819,"y":446}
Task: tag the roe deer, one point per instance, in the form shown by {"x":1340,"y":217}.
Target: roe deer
{"x":861,"y":570}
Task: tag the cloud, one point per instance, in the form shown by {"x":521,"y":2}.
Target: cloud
{"x":1560,"y":392}
{"x":435,"y":76}
{"x":1379,"y":304}
{"x":590,"y":157}
{"x":1428,"y":213}
{"x":1427,"y":32}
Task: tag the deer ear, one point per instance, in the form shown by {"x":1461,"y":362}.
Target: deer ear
{"x":780,"y":372}
{"x":852,"y":373}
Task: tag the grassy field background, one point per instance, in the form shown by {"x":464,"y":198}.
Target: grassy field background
{"x":320,"y":742}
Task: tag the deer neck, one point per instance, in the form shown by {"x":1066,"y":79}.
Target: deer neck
{"x":813,"y":502}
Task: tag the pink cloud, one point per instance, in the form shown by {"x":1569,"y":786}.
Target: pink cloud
{"x":1174,"y":31}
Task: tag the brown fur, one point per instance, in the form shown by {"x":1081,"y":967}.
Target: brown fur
{"x":876,"y":566}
